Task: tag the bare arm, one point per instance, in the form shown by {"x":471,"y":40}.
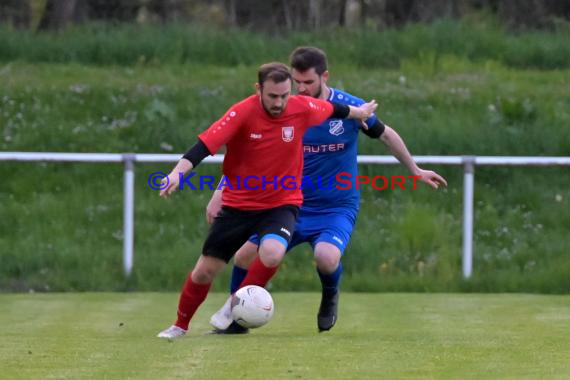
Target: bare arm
{"x":182,"y":167}
{"x":215,"y":205}
{"x":398,"y":148}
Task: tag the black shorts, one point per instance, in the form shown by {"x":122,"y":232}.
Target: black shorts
{"x":232,"y":227}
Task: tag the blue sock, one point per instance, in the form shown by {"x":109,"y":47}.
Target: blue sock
{"x":238,"y":274}
{"x":331,"y":281}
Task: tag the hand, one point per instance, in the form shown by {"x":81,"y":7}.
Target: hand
{"x":365,"y":112}
{"x":431,"y":178}
{"x":171,"y":184}
{"x":214,"y":206}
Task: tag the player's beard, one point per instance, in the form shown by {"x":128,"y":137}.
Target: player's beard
{"x":276,"y":111}
{"x":273,"y":112}
{"x":320,"y":90}
{"x":316,"y":95}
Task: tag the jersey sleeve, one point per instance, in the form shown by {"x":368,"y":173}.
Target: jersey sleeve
{"x":222,"y":131}
{"x":370,"y":121}
{"x":317,"y":111}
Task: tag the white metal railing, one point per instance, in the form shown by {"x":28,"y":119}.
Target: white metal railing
{"x":129,"y":160}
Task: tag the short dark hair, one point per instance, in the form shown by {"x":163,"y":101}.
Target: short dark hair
{"x":276,"y":71}
{"x":307,"y":57}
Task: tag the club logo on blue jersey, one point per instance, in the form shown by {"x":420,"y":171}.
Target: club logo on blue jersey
{"x":336,"y":128}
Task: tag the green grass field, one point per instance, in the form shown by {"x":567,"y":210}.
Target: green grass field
{"x":378,"y":336}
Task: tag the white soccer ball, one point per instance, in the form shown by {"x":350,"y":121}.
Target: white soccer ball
{"x":252,"y":306}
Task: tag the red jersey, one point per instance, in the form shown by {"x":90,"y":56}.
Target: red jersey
{"x":262,"y":150}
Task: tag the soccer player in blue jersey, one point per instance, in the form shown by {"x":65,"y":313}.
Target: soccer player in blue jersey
{"x":327,"y":217}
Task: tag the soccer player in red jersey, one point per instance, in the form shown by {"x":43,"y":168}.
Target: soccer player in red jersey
{"x":263,"y":135}
{"x":328,"y":215}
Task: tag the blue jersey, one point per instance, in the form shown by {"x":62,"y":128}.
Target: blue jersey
{"x":329,"y":149}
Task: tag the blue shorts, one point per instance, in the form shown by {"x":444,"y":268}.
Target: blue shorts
{"x":332,"y":226}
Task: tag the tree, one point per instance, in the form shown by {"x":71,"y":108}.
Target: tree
{"x":18,"y":13}
{"x":57,"y":14}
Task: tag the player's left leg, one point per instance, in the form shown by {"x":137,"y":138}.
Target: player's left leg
{"x":275,"y":229}
{"x":329,"y":268}
{"x":272,"y":248}
{"x":248,"y":252}
{"x":242,"y":260}
{"x":221,"y":320}
{"x":336,"y":229}
{"x":275,"y":233}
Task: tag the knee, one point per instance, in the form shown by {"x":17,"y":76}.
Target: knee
{"x":327,"y":260}
{"x":206,"y":269}
{"x":271,"y":253}
{"x":245,"y":255}
{"x":203,"y":275}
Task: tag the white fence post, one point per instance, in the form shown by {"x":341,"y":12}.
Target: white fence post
{"x":468,"y":192}
{"x":128,"y":212}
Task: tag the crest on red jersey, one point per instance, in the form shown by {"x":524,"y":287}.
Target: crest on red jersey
{"x":288,"y":133}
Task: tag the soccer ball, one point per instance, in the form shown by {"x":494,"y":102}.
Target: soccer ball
{"x":252,"y":306}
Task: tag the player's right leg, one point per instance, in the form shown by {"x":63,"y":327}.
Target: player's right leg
{"x":228,"y":232}
{"x":193,"y":293}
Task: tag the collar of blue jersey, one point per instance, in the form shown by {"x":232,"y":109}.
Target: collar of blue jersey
{"x":331,"y":94}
